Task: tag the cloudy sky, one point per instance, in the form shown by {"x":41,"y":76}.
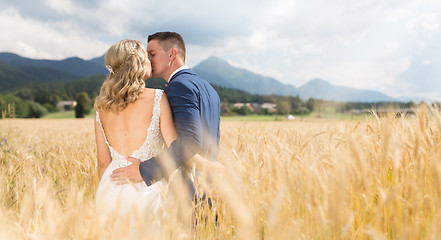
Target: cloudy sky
{"x":392,"y":46}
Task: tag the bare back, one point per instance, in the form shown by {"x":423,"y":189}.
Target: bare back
{"x":126,"y":130}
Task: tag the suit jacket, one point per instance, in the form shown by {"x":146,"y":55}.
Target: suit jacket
{"x":196,"y":111}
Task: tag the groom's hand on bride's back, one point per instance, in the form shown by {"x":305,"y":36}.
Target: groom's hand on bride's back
{"x":127,"y":174}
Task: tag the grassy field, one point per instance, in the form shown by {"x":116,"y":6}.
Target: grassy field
{"x":66,"y":115}
{"x":328,"y":114}
{"x":311,"y":179}
{"x":331,"y":115}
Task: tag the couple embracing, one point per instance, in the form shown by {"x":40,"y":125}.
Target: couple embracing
{"x":136,"y":126}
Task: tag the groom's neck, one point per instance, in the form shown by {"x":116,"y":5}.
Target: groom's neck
{"x":175,"y":65}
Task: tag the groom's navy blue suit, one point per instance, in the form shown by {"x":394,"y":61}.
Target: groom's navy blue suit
{"x":196,"y":112}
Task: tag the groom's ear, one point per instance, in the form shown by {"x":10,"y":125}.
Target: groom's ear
{"x":173,"y":54}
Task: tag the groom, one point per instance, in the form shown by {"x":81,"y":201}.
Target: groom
{"x":196,"y":112}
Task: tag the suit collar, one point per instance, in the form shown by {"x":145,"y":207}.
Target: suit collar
{"x":183,"y":71}
{"x":175,"y":71}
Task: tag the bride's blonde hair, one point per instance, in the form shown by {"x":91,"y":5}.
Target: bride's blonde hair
{"x":125,"y":61}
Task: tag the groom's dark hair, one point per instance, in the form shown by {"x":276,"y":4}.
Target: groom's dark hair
{"x":169,"y":40}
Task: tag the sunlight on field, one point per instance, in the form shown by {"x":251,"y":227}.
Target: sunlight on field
{"x":370,"y":179}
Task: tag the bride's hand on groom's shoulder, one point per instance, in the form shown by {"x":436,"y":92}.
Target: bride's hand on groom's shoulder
{"x":127,"y":174}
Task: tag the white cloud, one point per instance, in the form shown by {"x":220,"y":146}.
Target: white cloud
{"x":35,"y":39}
{"x":396,"y":15}
{"x":305,"y":50}
{"x":429,"y":22}
{"x":61,"y":6}
{"x":393,"y":47}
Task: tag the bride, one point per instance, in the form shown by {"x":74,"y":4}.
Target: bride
{"x":131,"y":120}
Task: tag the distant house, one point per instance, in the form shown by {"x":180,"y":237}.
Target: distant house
{"x":257,"y":107}
{"x":272,"y":107}
{"x":66,"y":105}
{"x":239,"y":105}
{"x":251,"y":107}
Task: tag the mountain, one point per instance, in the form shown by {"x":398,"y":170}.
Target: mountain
{"x":17,"y":71}
{"x":318,"y":88}
{"x":11,"y":77}
{"x":219,"y":72}
{"x":98,"y":61}
{"x":48,"y":74}
{"x":74,"y":66}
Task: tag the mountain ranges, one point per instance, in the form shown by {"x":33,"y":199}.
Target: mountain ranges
{"x":17,"y":71}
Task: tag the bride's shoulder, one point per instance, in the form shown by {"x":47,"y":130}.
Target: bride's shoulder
{"x":152,"y":90}
{"x":148,"y":94}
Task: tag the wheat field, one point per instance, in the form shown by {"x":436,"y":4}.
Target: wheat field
{"x":377,"y":178}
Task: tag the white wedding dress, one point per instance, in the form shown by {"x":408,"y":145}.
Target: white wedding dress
{"x":121,"y":199}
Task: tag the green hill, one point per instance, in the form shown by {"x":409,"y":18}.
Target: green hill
{"x":48,"y":74}
{"x":74,"y":66}
{"x":56,"y":91}
{"x":51,"y":93}
{"x":11,"y":77}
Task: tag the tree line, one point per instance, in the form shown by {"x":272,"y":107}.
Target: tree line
{"x":36,"y":100}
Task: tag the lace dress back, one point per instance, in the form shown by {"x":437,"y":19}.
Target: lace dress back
{"x":122,"y":198}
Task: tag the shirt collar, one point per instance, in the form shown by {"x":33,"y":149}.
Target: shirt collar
{"x":177,"y":70}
